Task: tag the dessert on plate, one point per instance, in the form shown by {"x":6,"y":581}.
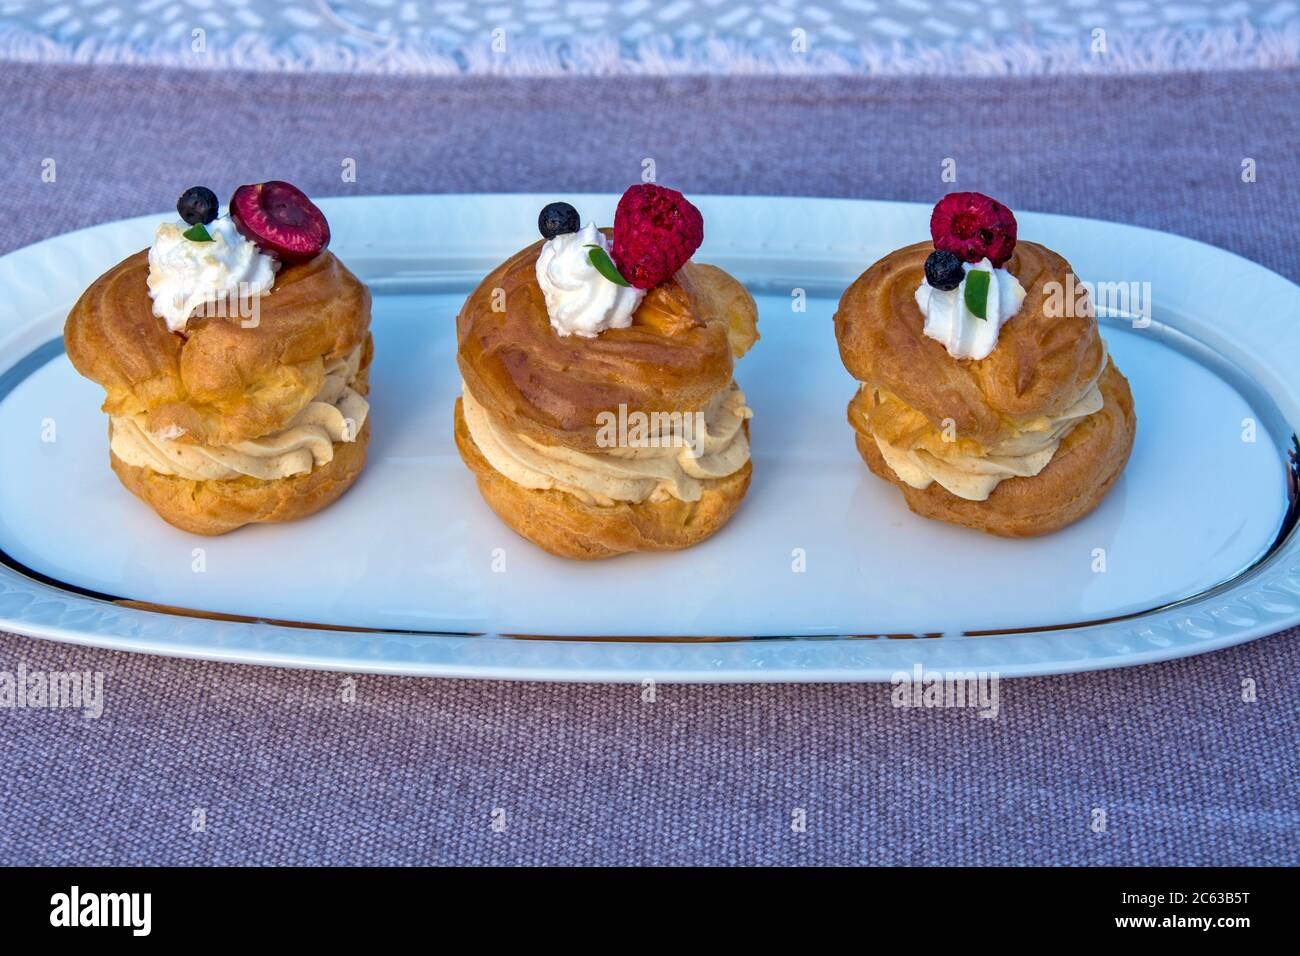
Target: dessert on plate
{"x":987,"y":396}
{"x":235,"y":354}
{"x":598,"y":411}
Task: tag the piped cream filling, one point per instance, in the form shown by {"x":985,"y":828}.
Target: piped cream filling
{"x":973,"y":477}
{"x":653,"y":467}
{"x":336,"y":414}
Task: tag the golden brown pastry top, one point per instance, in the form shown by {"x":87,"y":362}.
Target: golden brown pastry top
{"x":1039,"y":367}
{"x":675,"y":356}
{"x":217,"y":382}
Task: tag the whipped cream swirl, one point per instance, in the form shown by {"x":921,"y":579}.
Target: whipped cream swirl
{"x":963,"y":333}
{"x":184,"y":274}
{"x":579,"y":300}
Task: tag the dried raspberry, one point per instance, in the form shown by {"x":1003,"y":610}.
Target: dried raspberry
{"x":973,"y":226}
{"x":656,"y":230}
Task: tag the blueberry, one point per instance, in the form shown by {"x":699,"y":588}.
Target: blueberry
{"x":556,"y":219}
{"x":198,"y":204}
{"x":943,"y":270}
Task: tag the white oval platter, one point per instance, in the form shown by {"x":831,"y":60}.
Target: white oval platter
{"x":823,"y":574}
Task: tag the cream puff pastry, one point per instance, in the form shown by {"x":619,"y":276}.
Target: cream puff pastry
{"x":235,"y":354}
{"x":983,"y":399}
{"x":599,"y":414}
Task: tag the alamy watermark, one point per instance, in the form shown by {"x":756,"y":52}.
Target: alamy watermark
{"x":637,"y":429}
{"x":925,"y":689}
{"x":1080,"y":298}
{"x":243,"y":302}
{"x":133,"y":911}
{"x":53,"y":690}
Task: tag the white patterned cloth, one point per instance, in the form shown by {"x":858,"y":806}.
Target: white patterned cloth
{"x":538,"y":37}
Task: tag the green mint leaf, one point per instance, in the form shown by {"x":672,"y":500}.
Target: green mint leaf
{"x":605,"y":265}
{"x":977,"y":293}
{"x":197,"y":233}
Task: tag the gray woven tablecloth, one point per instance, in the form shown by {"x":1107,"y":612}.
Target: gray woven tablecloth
{"x":279,"y":769}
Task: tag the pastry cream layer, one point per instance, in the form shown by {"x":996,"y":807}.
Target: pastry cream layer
{"x":973,"y":475}
{"x":656,"y":469}
{"x":336,"y":413}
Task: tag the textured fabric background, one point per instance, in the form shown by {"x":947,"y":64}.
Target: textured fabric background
{"x":1162,"y":151}
{"x":454,"y":23}
{"x":600,"y":37}
{"x":286,"y":772}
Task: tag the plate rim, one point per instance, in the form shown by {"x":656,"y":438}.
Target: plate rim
{"x":1265,"y":602}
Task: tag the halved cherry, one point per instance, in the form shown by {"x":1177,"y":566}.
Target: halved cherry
{"x":279,"y":218}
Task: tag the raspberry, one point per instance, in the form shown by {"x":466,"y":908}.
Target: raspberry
{"x":656,"y":230}
{"x":972,"y":226}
